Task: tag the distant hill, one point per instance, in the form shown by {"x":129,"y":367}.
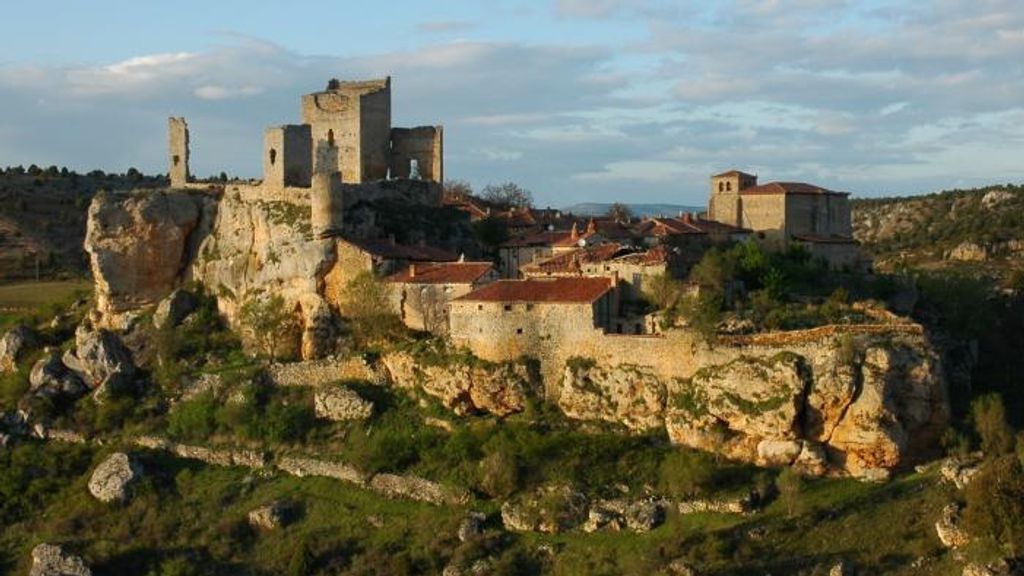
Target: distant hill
{"x":979,"y":227}
{"x":599,"y":209}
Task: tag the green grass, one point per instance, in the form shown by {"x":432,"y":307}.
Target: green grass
{"x":37,"y":301}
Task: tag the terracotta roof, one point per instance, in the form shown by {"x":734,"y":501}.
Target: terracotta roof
{"x":569,"y":261}
{"x":442,"y":273}
{"x":788,"y":188}
{"x":576,"y":290}
{"x":733,"y":173}
{"x":660,"y":254}
{"x":391,"y":251}
{"x":537,"y":239}
{"x":821,"y":239}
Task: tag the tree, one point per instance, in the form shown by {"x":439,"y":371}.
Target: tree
{"x":366,"y":303}
{"x":269,"y":322}
{"x":457,"y":189}
{"x":995,"y":503}
{"x":508,"y":195}
{"x":620,"y":212}
{"x":989,"y":417}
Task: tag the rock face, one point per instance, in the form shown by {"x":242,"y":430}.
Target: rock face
{"x":138,"y":246}
{"x":339,"y":403}
{"x":50,"y":378}
{"x":616,"y":515}
{"x":948,"y":528}
{"x":173,"y":309}
{"x":13,"y":345}
{"x":629,"y":395}
{"x":112,"y":480}
{"x":499,"y":389}
{"x":472,"y":526}
{"x":53,"y":560}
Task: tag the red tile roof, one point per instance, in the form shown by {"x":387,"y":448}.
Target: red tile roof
{"x":569,"y":261}
{"x":789,"y":188}
{"x":660,"y":254}
{"x":576,"y":290}
{"x":442,"y":273}
{"x":537,"y":239}
{"x":391,"y":251}
{"x":733,"y":173}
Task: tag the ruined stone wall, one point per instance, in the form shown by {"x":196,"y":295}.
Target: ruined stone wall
{"x":287,"y":156}
{"x":375,"y":139}
{"x":406,"y":192}
{"x":424,"y":144}
{"x":178,"y":145}
{"x":425,"y":306}
{"x":837,"y":255}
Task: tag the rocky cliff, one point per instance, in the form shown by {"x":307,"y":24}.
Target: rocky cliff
{"x":844,"y":406}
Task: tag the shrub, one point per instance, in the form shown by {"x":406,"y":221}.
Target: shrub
{"x":995,"y":503}
{"x":989,"y":418}
{"x":686,"y":474}
{"x":790,"y":484}
{"x":194,"y":419}
{"x":499,"y":474}
{"x":270,"y":324}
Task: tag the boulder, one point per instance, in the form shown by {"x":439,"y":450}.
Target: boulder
{"x":472,"y":526}
{"x":111,"y":481}
{"x":778,"y":452}
{"x":681,"y":567}
{"x":101,"y":359}
{"x":959,"y":471}
{"x":552,"y":509}
{"x":271,"y":516}
{"x":619,"y":514}
{"x":173,"y":309}
{"x":13,"y":345}
{"x":51,"y":379}
{"x":340,"y":403}
{"x":53,"y":560}
{"x":949,"y":529}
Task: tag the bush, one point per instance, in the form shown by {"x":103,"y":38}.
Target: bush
{"x":989,"y":418}
{"x":194,"y":419}
{"x":790,"y":484}
{"x":686,"y":474}
{"x":499,"y":474}
{"x":995,"y":503}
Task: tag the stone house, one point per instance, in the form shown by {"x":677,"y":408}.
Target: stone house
{"x":529,"y":248}
{"x":509,"y":318}
{"x":783,"y":214}
{"x":420,"y":292}
{"x":380,"y":257}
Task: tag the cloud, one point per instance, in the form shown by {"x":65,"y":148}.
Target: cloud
{"x":445,"y":26}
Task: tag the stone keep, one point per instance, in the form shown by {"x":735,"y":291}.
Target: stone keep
{"x":177,"y":130}
{"x":288,"y":156}
{"x":354,"y":117}
{"x":423,"y":145}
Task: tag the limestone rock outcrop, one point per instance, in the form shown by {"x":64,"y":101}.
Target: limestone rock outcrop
{"x":499,"y":389}
{"x":619,"y":514}
{"x":101,"y":360}
{"x":13,"y":344}
{"x":111,"y":481}
{"x":630,"y":395}
{"x":50,"y":378}
{"x":138,"y":246}
{"x":340,"y":403}
{"x":552,"y":509}
{"x":53,"y":560}
{"x":271,"y":516}
{"x":949,"y":529}
{"x":416,"y":488}
{"x":173,"y":309}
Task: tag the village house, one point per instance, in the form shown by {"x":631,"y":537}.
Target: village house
{"x":420,"y":292}
{"x":509,"y":318}
{"x":379,"y":257}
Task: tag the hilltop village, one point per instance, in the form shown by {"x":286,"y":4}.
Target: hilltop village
{"x":556,"y":277}
{"x":351,"y":224}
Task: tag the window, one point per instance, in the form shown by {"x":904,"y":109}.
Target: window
{"x":721,"y":186}
{"x":479,"y":306}
{"x":728,"y":186}
{"x":529,"y":306}
{"x":177,"y":159}
{"x":507,"y":307}
{"x":519,"y":330}
{"x":273,"y":156}
{"x":330,"y":138}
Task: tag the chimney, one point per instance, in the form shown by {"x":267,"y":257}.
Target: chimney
{"x":688,"y":217}
{"x":575,"y":234}
{"x":591,"y":226}
{"x":412,"y":270}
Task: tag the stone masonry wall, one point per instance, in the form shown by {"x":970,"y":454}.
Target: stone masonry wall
{"x":423,"y":144}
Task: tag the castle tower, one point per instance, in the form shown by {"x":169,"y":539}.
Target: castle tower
{"x":355,"y":119}
{"x":724,"y":202}
{"x":287,"y":156}
{"x":325,"y":196}
{"x":177,"y":131}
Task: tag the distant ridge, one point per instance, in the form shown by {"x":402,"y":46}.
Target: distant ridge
{"x":599,"y":209}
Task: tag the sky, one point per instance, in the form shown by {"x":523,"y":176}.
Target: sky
{"x":576,"y":100}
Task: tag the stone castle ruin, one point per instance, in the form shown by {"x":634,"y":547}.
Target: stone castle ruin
{"x":340,"y":154}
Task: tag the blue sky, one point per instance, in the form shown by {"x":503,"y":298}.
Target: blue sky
{"x":634,"y":100}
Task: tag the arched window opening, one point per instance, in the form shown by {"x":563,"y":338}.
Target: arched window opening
{"x":728,"y":186}
{"x":176,"y":159}
{"x":721,"y":186}
{"x":273,"y":156}
{"x":330,"y":137}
